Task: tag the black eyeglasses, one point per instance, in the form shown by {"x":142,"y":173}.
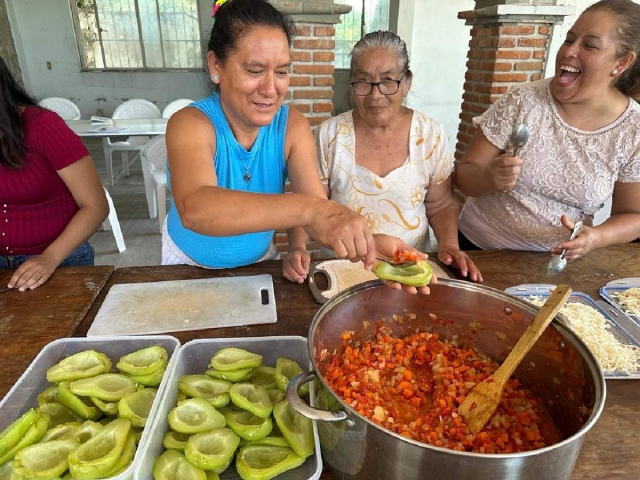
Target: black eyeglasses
{"x":386,"y":87}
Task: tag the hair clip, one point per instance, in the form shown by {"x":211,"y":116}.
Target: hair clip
{"x":216,"y":7}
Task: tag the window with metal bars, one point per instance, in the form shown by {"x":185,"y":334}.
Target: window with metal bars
{"x":365,"y":16}
{"x":138,"y":34}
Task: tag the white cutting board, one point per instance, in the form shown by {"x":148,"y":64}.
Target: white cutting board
{"x":180,"y":305}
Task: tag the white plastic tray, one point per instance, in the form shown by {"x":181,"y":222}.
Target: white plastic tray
{"x":194,"y":358}
{"x":23,"y":395}
{"x":615,"y":318}
{"x":617,"y":286}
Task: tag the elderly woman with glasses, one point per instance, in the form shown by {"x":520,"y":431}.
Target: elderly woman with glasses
{"x":387,"y":162}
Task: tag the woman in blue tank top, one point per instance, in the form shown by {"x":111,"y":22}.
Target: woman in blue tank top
{"x":229,"y":156}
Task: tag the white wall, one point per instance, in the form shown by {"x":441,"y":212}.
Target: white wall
{"x":438,"y":42}
{"x":44,"y":33}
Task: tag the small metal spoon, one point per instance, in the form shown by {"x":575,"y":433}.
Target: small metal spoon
{"x":519,"y":137}
{"x":399,"y":264}
{"x":558,"y":263}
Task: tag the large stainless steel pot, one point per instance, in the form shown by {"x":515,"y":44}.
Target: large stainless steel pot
{"x":559,"y":369}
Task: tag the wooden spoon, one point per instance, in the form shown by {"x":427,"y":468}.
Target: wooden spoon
{"x":484,"y":398}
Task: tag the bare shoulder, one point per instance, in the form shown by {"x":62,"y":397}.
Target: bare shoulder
{"x":298,"y":134}
{"x":297,"y":122}
{"x":189,"y":120}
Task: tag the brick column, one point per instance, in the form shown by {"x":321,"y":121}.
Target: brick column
{"x":509,"y":45}
{"x":311,"y":86}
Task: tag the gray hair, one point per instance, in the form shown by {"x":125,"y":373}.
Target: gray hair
{"x":383,"y":39}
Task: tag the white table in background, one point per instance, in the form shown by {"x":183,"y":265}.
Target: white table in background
{"x":130,"y":128}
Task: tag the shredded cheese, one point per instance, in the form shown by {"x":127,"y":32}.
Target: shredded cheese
{"x":593,"y":328}
{"x":629,"y":300}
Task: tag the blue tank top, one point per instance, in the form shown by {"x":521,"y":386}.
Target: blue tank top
{"x":268,"y":171}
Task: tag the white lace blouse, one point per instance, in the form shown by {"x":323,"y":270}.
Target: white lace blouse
{"x":564,"y":171}
{"x":393,"y":204}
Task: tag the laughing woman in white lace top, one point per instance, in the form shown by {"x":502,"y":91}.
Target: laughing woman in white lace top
{"x":584,"y":146}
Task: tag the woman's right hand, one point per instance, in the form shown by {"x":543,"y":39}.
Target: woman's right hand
{"x":504,"y":171}
{"x":346,"y":232}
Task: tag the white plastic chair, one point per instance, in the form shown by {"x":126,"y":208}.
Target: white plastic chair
{"x":174,"y":106}
{"x":154,"y":157}
{"x":132,"y":109}
{"x":63,"y":107}
{"x":112,"y":223}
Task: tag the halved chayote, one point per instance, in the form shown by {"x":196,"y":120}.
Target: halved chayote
{"x":286,"y":369}
{"x":247,"y":425}
{"x":44,"y":460}
{"x":126,"y":457}
{"x":79,"y":405}
{"x":233,"y":376}
{"x":296,"y":428}
{"x":109,"y":387}
{"x":175,"y":440}
{"x":263,"y":462}
{"x":108,"y":408}
{"x":232,"y":358}
{"x":265,"y":376}
{"x":144,"y":361}
{"x":11,"y":435}
{"x":59,"y":414}
{"x":88,"y":430}
{"x":97,"y":457}
{"x":195,"y":415}
{"x":251,"y":397}
{"x":213,"y":449}
{"x":136,"y":406}
{"x":214,"y":391}
{"x":85,"y":364}
{"x":417,"y":275}
{"x":48,"y":395}
{"x":276,"y":395}
{"x":172,"y":465}
{"x":59,"y":432}
{"x":153,"y":379}
{"x":33,"y":435}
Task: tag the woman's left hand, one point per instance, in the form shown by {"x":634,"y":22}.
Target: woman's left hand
{"x":386,"y":246}
{"x":585,"y":241}
{"x":33,"y":273}
{"x":295,"y":265}
{"x":453,"y":256}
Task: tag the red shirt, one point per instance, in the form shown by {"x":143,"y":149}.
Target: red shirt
{"x":35,"y":204}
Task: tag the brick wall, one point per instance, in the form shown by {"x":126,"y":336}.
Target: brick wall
{"x":310,"y":88}
{"x":499,"y":56}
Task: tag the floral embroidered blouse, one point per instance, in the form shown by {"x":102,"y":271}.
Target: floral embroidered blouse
{"x":565,"y":171}
{"x":393,"y":204}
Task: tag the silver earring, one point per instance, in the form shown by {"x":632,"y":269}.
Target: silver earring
{"x":214,"y":78}
{"x":614,"y":72}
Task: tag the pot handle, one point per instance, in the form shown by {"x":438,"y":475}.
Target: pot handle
{"x":305,"y":410}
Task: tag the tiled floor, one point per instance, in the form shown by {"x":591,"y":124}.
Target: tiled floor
{"x":141,"y":234}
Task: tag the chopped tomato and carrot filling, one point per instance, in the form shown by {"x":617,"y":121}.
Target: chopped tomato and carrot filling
{"x":413,"y":386}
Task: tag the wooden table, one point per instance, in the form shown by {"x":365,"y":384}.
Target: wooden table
{"x":30,"y":320}
{"x":610,"y":449}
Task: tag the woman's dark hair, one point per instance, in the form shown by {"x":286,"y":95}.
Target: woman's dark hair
{"x":12,"y":141}
{"x":236,"y":17}
{"x":627,"y":14}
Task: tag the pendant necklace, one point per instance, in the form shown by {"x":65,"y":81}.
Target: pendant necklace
{"x":247,"y":174}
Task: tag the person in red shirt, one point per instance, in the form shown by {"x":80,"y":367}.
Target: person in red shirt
{"x":51,"y":198}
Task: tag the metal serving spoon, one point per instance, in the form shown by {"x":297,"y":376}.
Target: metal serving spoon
{"x":399,"y":264}
{"x":519,"y":137}
{"x":558,"y":263}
